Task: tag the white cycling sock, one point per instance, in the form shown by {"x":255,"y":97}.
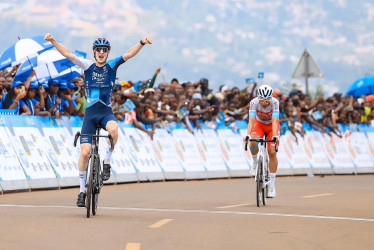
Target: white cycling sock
{"x":108,"y":155}
{"x":272,"y":179}
{"x":254,"y":157}
{"x":82,"y":181}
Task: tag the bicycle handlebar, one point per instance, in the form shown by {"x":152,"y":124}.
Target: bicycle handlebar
{"x":260,"y":140}
{"x":109,"y":136}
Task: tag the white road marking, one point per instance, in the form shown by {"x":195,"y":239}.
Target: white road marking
{"x":200,"y":211}
{"x":316,"y":195}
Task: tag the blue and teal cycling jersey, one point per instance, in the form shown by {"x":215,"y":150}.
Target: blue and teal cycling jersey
{"x":99,"y":81}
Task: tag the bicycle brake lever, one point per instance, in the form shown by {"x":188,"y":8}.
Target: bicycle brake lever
{"x":246,"y":143}
{"x":276,"y":146}
{"x":76,"y":138}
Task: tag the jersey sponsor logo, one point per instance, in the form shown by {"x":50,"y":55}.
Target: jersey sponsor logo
{"x":264,"y":115}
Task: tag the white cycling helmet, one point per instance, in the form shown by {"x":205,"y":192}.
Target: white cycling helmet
{"x":265,"y":92}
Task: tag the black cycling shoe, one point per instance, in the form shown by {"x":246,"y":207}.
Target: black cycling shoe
{"x":105,"y":175}
{"x":81,"y":202}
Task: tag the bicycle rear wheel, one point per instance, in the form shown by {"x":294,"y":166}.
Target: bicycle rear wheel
{"x":91,"y":164}
{"x":259,"y":180}
{"x":96,"y":186}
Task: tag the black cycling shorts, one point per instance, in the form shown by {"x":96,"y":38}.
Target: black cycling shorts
{"x":95,"y":115}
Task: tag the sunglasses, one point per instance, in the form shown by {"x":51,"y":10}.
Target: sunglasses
{"x":265,"y":101}
{"x":101,"y":49}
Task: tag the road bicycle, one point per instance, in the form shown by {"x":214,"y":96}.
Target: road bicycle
{"x":262,"y":171}
{"x":94,"y":181}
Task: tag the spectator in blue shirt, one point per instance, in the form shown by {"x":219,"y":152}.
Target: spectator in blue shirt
{"x":11,"y":100}
{"x":53,"y":100}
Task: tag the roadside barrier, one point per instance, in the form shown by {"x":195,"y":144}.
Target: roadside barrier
{"x":37,"y":152}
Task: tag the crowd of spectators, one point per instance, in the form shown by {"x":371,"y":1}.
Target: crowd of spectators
{"x":156,"y":105}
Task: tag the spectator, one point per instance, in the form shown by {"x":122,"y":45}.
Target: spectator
{"x":53,"y":101}
{"x":66,"y":106}
{"x":12,"y":99}
{"x":2,"y":87}
{"x":174,"y":81}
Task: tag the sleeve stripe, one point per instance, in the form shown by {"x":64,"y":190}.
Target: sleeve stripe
{"x":275,"y":114}
{"x":252,"y":113}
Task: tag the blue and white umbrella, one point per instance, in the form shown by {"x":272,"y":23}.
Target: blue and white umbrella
{"x":362,"y":86}
{"x":50,"y":64}
{"x":70,"y":73}
{"x":66,"y":75}
{"x":19,"y":51}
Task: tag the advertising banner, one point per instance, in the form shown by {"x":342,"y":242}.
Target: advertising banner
{"x":207,"y":144}
{"x":185,"y":146}
{"x":248,"y":155}
{"x":231,"y":146}
{"x":358,"y":146}
{"x":284,"y":157}
{"x":370,"y":139}
{"x":141,"y":154}
{"x":295,"y":151}
{"x":338,"y":154}
{"x":12,"y":176}
{"x":166,"y":154}
{"x":123,"y":169}
{"x":30,"y":148}
{"x":317,"y":157}
{"x":61,"y":154}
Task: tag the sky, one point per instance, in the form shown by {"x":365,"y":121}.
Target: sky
{"x":225,"y":41}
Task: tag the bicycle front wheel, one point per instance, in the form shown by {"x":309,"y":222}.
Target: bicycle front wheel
{"x":259,"y":181}
{"x":91,"y":164}
{"x":265,"y":190}
{"x":96,"y":186}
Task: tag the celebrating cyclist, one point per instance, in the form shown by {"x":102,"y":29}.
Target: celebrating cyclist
{"x":264,"y":119}
{"x":100,"y":77}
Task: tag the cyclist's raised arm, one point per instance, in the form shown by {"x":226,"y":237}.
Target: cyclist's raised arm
{"x":61,"y":48}
{"x":136,"y":48}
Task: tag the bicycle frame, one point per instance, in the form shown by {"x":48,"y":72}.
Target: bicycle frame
{"x":93,"y":181}
{"x":264,"y":155}
{"x":262,"y":171}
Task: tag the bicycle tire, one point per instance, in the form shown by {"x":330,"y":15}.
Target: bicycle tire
{"x":264,"y":195}
{"x":90,"y":184}
{"x":265,"y":189}
{"x":95,"y":188}
{"x":259,"y":182}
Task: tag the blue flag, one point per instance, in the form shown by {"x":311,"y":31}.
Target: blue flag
{"x":250,"y":80}
{"x":128,"y":105}
{"x":182,"y":113}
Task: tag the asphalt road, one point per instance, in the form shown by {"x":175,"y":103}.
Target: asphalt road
{"x":333,"y":212}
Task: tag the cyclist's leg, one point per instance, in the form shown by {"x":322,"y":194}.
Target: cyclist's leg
{"x":112,"y":128}
{"x":273,"y":164}
{"x":88,"y":127}
{"x":257,"y":132}
{"x":110,"y":124}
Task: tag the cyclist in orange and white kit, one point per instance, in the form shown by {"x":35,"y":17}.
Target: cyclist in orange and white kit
{"x":264,"y":119}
